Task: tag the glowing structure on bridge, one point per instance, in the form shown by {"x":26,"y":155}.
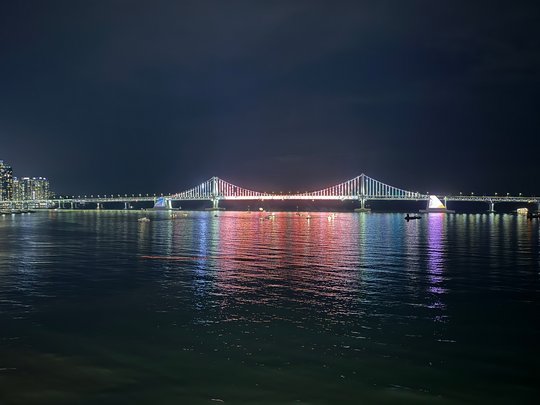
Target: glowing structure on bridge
{"x":360,"y":188}
{"x":163,"y":203}
{"x":436,"y":205}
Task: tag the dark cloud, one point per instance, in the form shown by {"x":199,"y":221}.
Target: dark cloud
{"x":132,"y":96}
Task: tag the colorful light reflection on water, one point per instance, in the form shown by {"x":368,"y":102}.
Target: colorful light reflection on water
{"x":246,"y":308}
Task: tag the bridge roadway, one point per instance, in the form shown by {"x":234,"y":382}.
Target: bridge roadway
{"x":361,"y":188}
{"x":78,"y":202}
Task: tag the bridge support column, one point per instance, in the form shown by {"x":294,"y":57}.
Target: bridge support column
{"x":491,"y":207}
{"x":362,"y":208}
{"x":72,"y":205}
{"x":215,"y":205}
{"x":99,"y":206}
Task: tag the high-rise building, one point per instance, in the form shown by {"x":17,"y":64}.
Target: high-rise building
{"x":31,"y":188}
{"x":6,"y":181}
{"x":18,"y":189}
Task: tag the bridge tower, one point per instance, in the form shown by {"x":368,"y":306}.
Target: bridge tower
{"x":214,"y":193}
{"x":362,"y":208}
{"x":362,"y":197}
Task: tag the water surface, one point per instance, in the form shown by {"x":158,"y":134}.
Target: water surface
{"x":96,"y":307}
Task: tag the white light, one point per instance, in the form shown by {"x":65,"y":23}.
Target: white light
{"x":434,"y":202}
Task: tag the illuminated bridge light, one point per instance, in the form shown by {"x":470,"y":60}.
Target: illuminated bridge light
{"x":361,"y":188}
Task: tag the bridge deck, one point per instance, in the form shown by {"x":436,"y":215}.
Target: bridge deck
{"x":361,"y":188}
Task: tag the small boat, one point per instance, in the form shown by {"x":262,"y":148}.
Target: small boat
{"x":409,"y":217}
{"x":144,"y":219}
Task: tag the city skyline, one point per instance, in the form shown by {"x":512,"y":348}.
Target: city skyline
{"x":21,"y":188}
{"x":281,"y":96}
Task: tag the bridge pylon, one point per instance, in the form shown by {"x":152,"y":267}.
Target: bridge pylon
{"x":215,"y":194}
{"x":362,"y":208}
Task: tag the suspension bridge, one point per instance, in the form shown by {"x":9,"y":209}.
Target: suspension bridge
{"x":361,"y":188}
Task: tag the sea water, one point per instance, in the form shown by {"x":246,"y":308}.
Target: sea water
{"x":251,"y":308}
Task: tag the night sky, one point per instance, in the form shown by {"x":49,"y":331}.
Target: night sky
{"x":157,"y":96}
